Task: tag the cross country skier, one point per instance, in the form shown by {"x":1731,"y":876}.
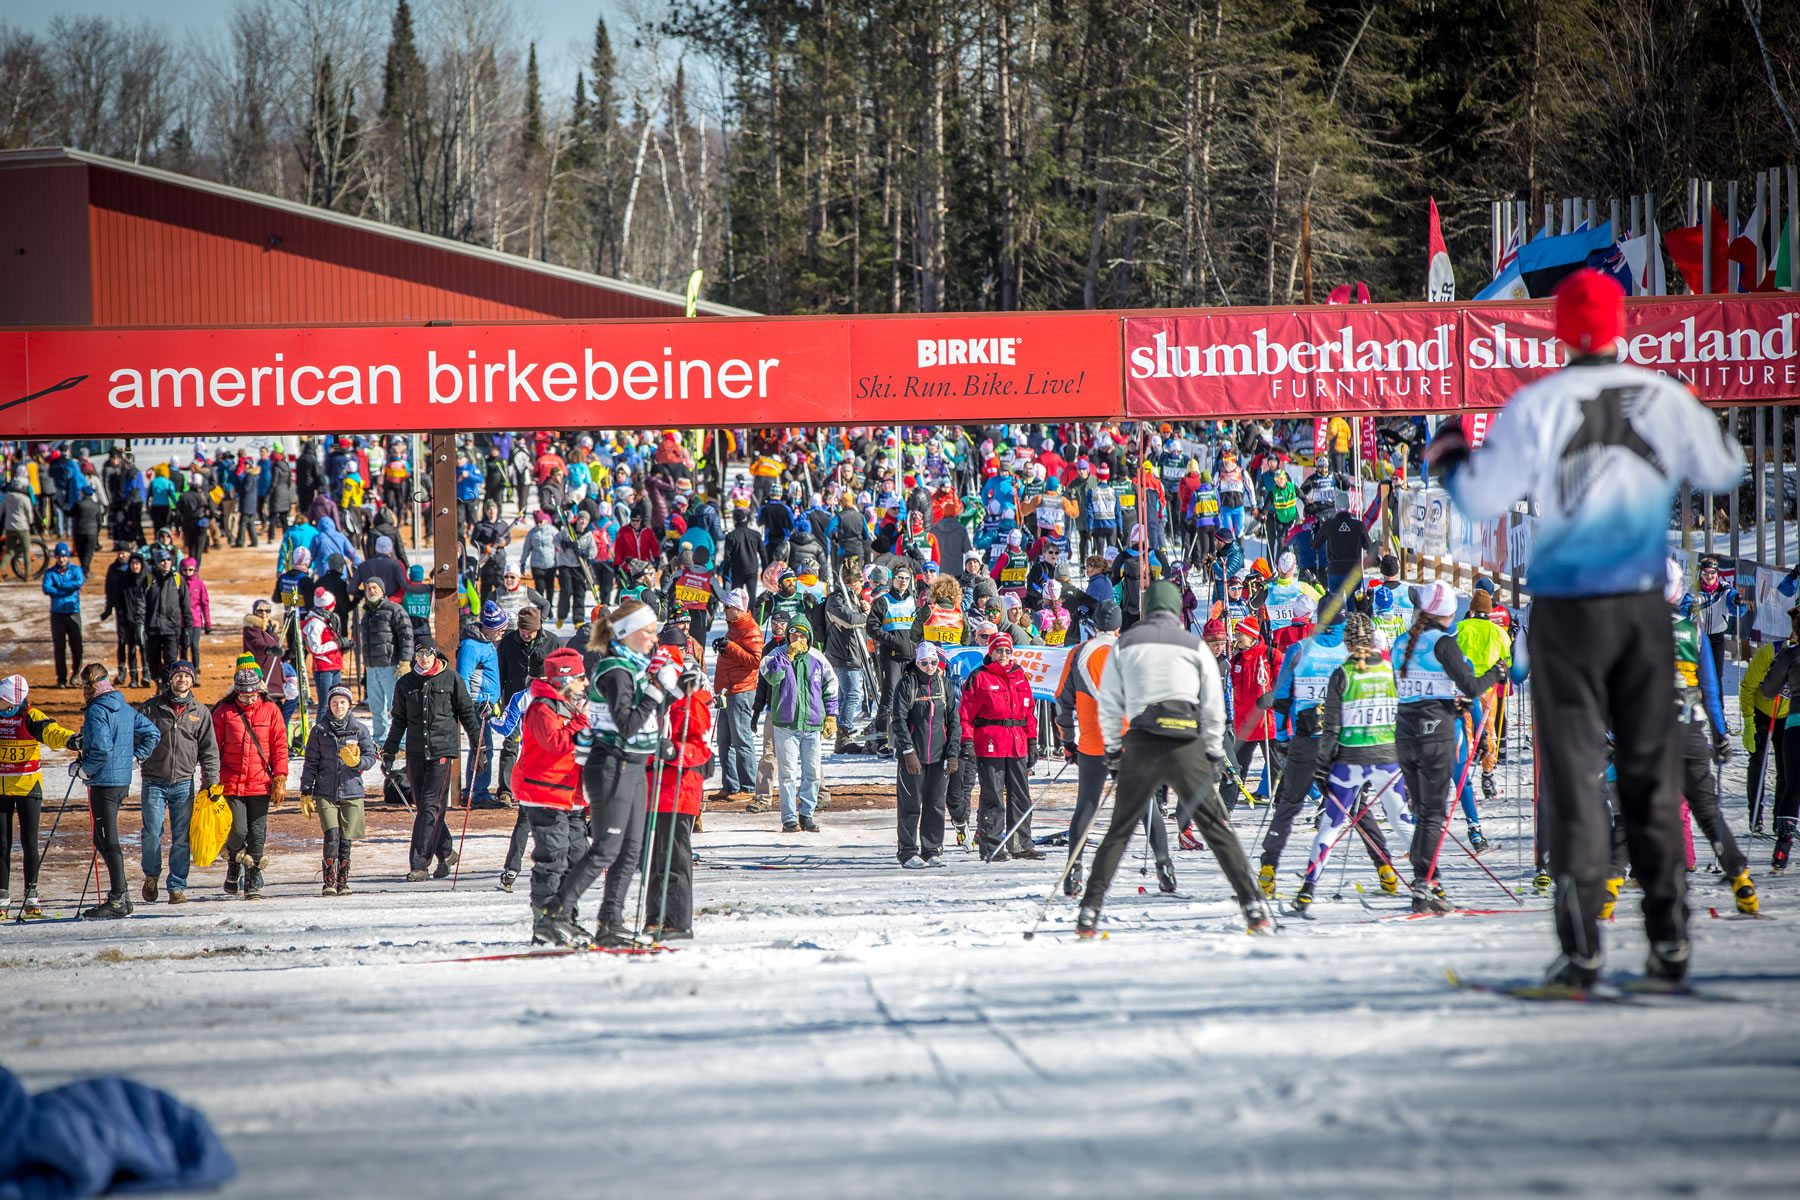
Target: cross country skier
{"x":1357,"y":761}
{"x":1602,"y":447}
{"x":1697,"y":693}
{"x":1162,"y":682}
{"x":1433,"y":678}
{"x":22,"y":729}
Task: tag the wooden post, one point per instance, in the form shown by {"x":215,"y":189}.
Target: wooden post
{"x":446,"y":610}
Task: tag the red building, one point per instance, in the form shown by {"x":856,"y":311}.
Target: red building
{"x":93,"y":241}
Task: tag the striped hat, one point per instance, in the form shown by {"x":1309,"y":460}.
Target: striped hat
{"x":247,"y":662}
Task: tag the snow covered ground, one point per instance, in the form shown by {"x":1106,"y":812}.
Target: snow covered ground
{"x":841,"y":1027}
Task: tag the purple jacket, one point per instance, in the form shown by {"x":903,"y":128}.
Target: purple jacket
{"x":821,"y":689}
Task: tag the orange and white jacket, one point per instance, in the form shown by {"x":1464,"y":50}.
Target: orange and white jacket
{"x":1078,"y":704}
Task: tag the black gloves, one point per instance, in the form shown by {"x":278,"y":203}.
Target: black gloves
{"x":1721,"y":746}
{"x":1112,"y":761}
{"x":719,"y":644}
{"x":74,"y":744}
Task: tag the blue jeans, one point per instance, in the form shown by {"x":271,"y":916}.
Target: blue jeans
{"x":326,"y":681}
{"x":1332,"y":582}
{"x":850,"y":697}
{"x":797,"y":766}
{"x":380,"y":682}
{"x":176,"y":797}
{"x":737,"y":748}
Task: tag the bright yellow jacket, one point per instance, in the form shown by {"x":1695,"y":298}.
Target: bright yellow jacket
{"x":1750,"y":697}
{"x":20,"y":734}
{"x":1484,"y":642}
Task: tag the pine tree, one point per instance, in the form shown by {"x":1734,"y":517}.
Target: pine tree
{"x":405,"y":111}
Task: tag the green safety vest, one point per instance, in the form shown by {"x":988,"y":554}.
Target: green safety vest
{"x":1687,"y":655}
{"x":1369,"y":705}
{"x":602,"y":727}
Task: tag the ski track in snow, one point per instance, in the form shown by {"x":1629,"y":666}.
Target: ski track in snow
{"x":850,"y":1028}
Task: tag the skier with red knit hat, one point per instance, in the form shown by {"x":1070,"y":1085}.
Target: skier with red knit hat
{"x":999,"y":719}
{"x":1601,"y":447}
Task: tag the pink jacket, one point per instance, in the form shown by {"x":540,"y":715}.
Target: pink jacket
{"x":199,"y":602}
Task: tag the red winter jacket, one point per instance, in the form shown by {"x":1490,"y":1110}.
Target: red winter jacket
{"x":546,"y":774}
{"x":684,"y":781}
{"x":245,"y":765}
{"x":640,"y":543}
{"x":741,"y":657}
{"x":996,"y":693}
{"x":1253,"y":673}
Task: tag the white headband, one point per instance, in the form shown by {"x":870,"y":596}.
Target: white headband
{"x":630,"y":623}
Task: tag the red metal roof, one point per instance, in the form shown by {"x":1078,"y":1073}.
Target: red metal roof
{"x":93,"y":241}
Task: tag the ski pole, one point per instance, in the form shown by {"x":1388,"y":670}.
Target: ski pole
{"x":1344,"y":862}
{"x":649,"y":837}
{"x":1477,"y":860}
{"x":51,"y":837}
{"x":662,"y":903}
{"x":469,"y":801}
{"x":1076,"y":847}
{"x":1450,"y":803}
{"x":1007,"y":836}
{"x":1315,"y":863}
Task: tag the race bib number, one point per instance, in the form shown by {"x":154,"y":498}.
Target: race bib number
{"x":1014,"y":574}
{"x":18,"y":754}
{"x":1425,"y":688}
{"x":691,"y":597}
{"x":934,"y":634}
{"x":1314,"y":692}
{"x":1371,"y":712}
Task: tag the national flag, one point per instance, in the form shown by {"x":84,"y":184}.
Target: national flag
{"x":1547,"y":261}
{"x":1684,"y":248}
{"x":1784,"y":269}
{"x":1508,"y":285}
{"x":1509,"y":253}
{"x":1643,"y":255}
{"x":1440,"y":280}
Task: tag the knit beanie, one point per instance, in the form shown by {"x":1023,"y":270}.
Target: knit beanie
{"x":248,"y":680}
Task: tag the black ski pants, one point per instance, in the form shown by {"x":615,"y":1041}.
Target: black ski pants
{"x":65,"y":634}
{"x":669,"y":887}
{"x":1150,"y":762}
{"x":1602,"y":662}
{"x":160,"y":650}
{"x":1787,"y":803}
{"x":956,"y":798}
{"x":103,"y":803}
{"x":558,"y":838}
{"x":1005,"y":795}
{"x":249,"y":833}
{"x":1090,"y":785}
{"x":1426,"y":765}
{"x":617,"y":791}
{"x":1768,"y":746}
{"x":1290,"y":798}
{"x":430,"y":779}
{"x":920,"y":801}
{"x":28,"y":809}
{"x":1701,"y":790}
{"x":888,"y":671}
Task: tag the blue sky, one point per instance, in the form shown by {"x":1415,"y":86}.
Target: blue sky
{"x":563,"y":30}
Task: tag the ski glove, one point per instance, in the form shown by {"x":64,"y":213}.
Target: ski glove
{"x":830,"y":729}
{"x":1112,"y":761}
{"x":1031,"y":759}
{"x":692,"y":679}
{"x":668,"y":678}
{"x":73,"y":745}
{"x":387,"y":764}
{"x":1721,"y":748}
{"x":1069,"y":752}
{"x":306,"y":805}
{"x":718,"y":645}
{"x":911,"y":761}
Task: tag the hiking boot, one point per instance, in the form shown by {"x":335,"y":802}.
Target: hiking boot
{"x":999,"y":855}
{"x":112,"y":908}
{"x":1265,"y":879}
{"x":1028,"y":851}
{"x":177,"y":896}
{"x":149,"y":889}
{"x":506,"y":799}
{"x":758,"y":804}
{"x":442,"y":870}
{"x":417,"y":876}
{"x":807,"y":824}
{"x":790,"y":827}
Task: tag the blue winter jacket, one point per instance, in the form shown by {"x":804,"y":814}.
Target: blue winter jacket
{"x":113,"y":734}
{"x":478,"y":662}
{"x":102,"y":1135}
{"x":329,"y":541}
{"x":63,"y":586}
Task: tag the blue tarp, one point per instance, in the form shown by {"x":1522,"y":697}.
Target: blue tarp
{"x":104,"y":1135}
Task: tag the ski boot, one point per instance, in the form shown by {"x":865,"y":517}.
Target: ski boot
{"x":1429,"y":899}
{"x":1778,"y":863}
{"x":1191,"y":840}
{"x":1489,"y":788}
{"x":1478,"y":843}
{"x":1390,"y":882}
{"x":1303,"y":901}
{"x":1265,"y":879}
{"x":546,"y":930}
{"x":1087,"y":923}
{"x":962,"y":836}
{"x":1573,"y":974}
{"x":32,"y":910}
{"x":1745,"y":891}
{"x":1072,"y":881}
{"x":1542,"y":883}
{"x":1165,"y":875}
{"x":506,"y":880}
{"x":1257,"y":920}
{"x":1612,"y":898}
{"x":617,"y":937}
{"x":112,"y":908}
{"x":1667,"y":963}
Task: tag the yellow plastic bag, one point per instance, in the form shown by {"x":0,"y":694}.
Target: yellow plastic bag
{"x":208,"y":828}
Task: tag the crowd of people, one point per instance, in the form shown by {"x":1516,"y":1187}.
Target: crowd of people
{"x":669,"y":619}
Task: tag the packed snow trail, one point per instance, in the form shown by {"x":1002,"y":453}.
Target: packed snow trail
{"x":846,"y":1027}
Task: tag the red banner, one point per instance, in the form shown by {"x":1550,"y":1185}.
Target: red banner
{"x":1321,"y":437}
{"x":1352,"y":358}
{"x":1736,"y":351}
{"x":1041,"y":366}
